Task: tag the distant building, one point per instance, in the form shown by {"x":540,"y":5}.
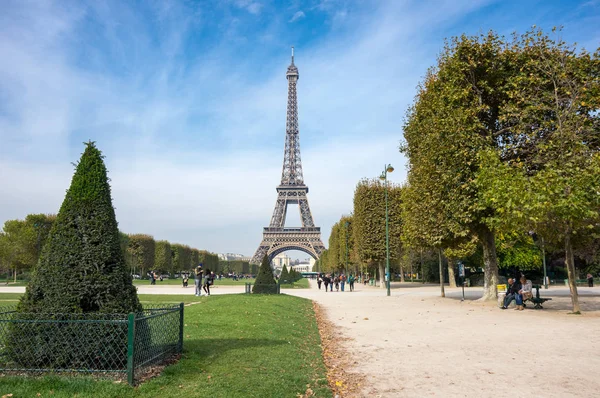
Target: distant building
{"x":280,"y":260}
{"x":305,"y":265}
{"x":233,"y":257}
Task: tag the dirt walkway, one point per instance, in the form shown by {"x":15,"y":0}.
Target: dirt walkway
{"x":416,"y":344}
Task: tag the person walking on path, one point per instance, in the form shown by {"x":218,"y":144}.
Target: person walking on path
{"x":351,"y":282}
{"x":336,"y":281}
{"x":152,"y":278}
{"x":326,"y":281}
{"x":342,"y":281}
{"x":198,"y":280}
{"x":319,"y":281}
{"x":590,"y":279}
{"x":209,"y":279}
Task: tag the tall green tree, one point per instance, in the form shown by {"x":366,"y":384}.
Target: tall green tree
{"x":334,"y":249}
{"x":368,"y":229}
{"x":82,"y":267}
{"x":346,"y":243}
{"x":458,"y":114}
{"x":163,"y":258}
{"x":142,"y":250}
{"x":23,"y":241}
{"x":553,"y":188}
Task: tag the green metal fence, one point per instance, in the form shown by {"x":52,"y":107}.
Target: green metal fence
{"x":263,"y":288}
{"x":91,"y":342}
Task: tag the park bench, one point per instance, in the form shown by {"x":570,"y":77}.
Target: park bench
{"x":537,"y":300}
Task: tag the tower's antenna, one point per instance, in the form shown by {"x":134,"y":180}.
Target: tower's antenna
{"x":292,"y":55}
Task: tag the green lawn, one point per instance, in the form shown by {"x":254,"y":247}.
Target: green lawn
{"x":234,"y":346}
{"x":301,"y":284}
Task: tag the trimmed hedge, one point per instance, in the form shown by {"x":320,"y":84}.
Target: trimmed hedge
{"x":81,"y":270}
{"x":82,"y":267}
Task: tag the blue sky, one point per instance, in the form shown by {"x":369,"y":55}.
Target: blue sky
{"x":187,"y":100}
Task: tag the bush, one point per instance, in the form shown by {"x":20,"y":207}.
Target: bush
{"x":265,"y":283}
{"x":82,"y":267}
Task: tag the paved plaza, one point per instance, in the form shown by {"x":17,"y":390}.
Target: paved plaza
{"x":415,"y":343}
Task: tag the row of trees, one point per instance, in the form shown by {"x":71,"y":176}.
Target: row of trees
{"x":359,"y":239}
{"x":502,"y":141}
{"x":21,"y":242}
{"x":145,"y":254}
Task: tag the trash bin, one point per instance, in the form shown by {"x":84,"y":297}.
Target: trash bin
{"x":501,"y":298}
{"x":501,"y":294}
{"x":371,"y":282}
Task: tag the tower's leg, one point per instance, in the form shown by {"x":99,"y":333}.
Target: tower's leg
{"x":278,"y":219}
{"x":305,"y":214}
{"x":260,"y":253}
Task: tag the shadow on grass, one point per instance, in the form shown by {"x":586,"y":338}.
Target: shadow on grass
{"x":209,"y":350}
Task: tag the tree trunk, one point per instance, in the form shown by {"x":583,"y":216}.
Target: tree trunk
{"x":490,"y":261}
{"x":411,"y":272}
{"x":422,"y":266}
{"x":382,"y":276}
{"x":442,"y":293}
{"x":401,"y":274}
{"x":15,"y":274}
{"x":451,"y":276}
{"x":570,"y":262}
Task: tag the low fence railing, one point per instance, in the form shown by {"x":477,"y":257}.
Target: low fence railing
{"x":262,"y":288}
{"x":89,"y":342}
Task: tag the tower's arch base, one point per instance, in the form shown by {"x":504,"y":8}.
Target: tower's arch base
{"x":278,"y":240}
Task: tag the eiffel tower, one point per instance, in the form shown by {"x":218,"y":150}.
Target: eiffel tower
{"x":292,"y":190}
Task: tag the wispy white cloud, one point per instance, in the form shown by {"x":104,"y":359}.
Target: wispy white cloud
{"x":297,"y":15}
{"x":253,"y":7}
{"x":193,"y":132}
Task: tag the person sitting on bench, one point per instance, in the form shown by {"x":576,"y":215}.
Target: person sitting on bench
{"x":524,"y":293}
{"x":511,"y":293}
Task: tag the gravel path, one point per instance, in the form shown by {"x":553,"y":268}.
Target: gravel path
{"x":415,"y":343}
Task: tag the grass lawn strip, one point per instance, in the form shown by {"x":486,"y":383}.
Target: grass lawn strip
{"x":234,"y":346}
{"x":337,"y":360}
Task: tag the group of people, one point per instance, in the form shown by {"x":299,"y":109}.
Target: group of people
{"x":203,"y":280}
{"x":154,"y":276}
{"x":518,"y":290}
{"x":337,"y":281}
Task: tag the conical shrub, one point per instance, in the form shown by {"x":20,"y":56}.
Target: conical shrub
{"x":265,"y":283}
{"x":285,"y":275}
{"x":81,"y":270}
{"x":82,"y":267}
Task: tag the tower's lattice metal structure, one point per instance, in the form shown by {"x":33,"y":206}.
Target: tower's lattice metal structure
{"x":276,"y":237}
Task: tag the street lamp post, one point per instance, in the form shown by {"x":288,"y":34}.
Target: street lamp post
{"x":544,"y":262}
{"x":387,"y":169}
{"x":541,"y":244}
